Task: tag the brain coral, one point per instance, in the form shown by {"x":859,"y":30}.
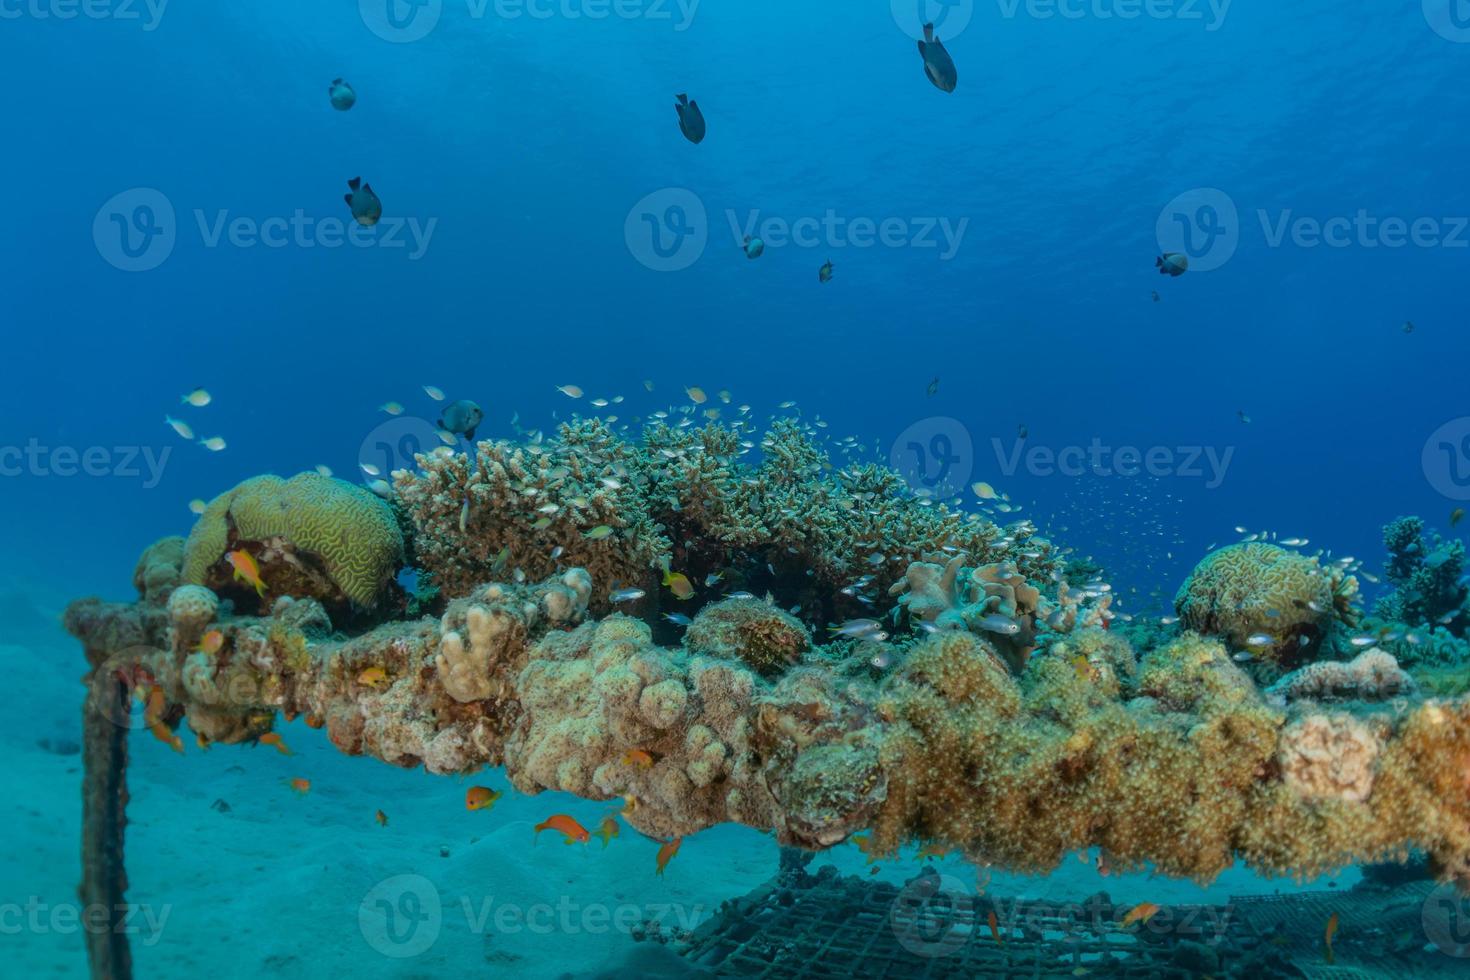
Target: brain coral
{"x":349,"y":530}
{"x":1247,"y":590}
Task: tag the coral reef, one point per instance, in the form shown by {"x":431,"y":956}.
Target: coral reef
{"x":1428,"y":575}
{"x":1371,"y":676}
{"x":995,"y":601}
{"x":683,"y":500}
{"x":312,"y":536}
{"x":765,"y":638}
{"x":1278,"y":604}
{"x":1008,"y":721}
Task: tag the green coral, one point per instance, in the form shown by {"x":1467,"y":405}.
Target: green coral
{"x":351,"y":531}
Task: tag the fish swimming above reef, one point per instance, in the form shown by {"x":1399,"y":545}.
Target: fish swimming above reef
{"x":824,"y":274}
{"x":1173,"y":264}
{"x":246,"y":570}
{"x":691,"y":120}
{"x":366,"y":208}
{"x":342,"y":95}
{"x":462,"y":418}
{"x":753,"y":247}
{"x":570,"y":829}
{"x":938,"y":65}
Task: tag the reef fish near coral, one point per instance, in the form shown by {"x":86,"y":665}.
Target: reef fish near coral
{"x":462,"y":418}
{"x":938,"y":66}
{"x":364,"y":204}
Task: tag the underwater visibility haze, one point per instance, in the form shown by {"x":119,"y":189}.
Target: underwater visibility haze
{"x":665,"y":488}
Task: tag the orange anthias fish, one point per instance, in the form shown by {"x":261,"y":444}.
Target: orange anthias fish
{"x":381,"y":818}
{"x":864,"y":843}
{"x":666,"y":854}
{"x":932,"y":850}
{"x":246,"y":570}
{"x":274,"y":740}
{"x":1331,"y":931}
{"x":994,"y":926}
{"x":639,"y":758}
{"x":211,"y":642}
{"x":163,"y":734}
{"x":480,"y":798}
{"x":302,"y":786}
{"x":1141,"y":912}
{"x":607,"y":830}
{"x":572,"y":831}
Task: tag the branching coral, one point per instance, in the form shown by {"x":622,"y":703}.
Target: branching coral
{"x":1428,"y":574}
{"x":683,"y":500}
{"x":310,"y":536}
{"x":1280,"y":605}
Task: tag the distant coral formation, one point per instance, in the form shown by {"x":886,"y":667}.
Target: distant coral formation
{"x":311,"y":536}
{"x":1278,"y":604}
{"x":1428,"y":575}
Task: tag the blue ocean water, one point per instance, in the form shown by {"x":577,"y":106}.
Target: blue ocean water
{"x":535,"y":184}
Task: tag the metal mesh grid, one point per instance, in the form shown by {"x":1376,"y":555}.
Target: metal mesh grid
{"x":825,"y":927}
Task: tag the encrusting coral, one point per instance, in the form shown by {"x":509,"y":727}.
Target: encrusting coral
{"x":311,"y":535}
{"x":1007,"y":722}
{"x":1280,"y":605}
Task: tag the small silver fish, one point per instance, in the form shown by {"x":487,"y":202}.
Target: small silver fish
{"x":678,"y":619}
{"x":996,"y":623}
{"x":626,"y":595}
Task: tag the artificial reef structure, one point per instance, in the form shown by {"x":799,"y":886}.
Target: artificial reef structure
{"x":801,"y":647}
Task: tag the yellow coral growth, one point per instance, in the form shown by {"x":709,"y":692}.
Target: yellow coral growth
{"x":352,"y":531}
